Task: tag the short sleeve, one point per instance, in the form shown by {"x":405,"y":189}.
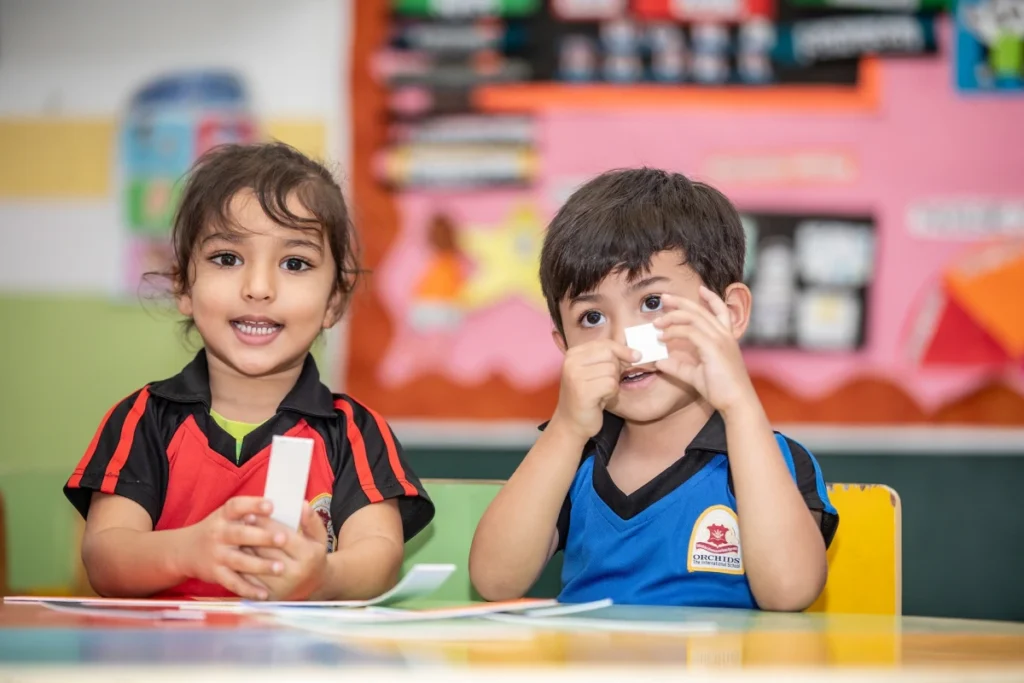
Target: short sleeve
{"x":809,"y":480}
{"x":123,"y":458}
{"x":563,"y":522}
{"x":373,"y":469}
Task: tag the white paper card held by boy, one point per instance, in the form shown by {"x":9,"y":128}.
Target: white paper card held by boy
{"x":644,"y":338}
{"x":287,"y":477}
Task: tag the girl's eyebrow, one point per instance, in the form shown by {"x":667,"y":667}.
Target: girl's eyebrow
{"x":309,"y":244}
{"x":233,"y":237}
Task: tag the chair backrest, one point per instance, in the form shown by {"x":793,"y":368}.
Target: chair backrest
{"x":459,"y":506}
{"x":3,"y":548}
{"x":865,"y":572}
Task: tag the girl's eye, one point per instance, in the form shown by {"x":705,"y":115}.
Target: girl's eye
{"x":591,"y":319}
{"x":226,"y":260}
{"x":295,"y":265}
{"x":651,"y":303}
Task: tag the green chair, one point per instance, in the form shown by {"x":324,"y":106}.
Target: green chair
{"x":459,"y":506}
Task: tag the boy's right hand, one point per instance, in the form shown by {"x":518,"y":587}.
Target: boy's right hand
{"x":590,"y":378}
{"x":214,"y":553}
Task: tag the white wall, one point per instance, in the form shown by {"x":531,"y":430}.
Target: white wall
{"x":83,"y":58}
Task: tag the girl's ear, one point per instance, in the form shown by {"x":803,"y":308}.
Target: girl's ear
{"x":335,"y":309}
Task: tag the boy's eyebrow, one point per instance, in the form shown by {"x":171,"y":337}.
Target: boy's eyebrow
{"x":591,"y":298}
{"x":647,"y":282}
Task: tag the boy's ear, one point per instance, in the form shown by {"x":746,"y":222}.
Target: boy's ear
{"x":739,"y":301}
{"x":559,"y":339}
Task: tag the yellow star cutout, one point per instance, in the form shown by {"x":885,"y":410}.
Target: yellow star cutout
{"x":506,"y":259}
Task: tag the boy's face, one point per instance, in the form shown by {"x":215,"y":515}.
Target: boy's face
{"x":645,"y":394}
{"x":260,"y":294}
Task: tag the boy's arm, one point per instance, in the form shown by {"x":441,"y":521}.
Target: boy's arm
{"x":517,"y":534}
{"x":124,"y":557}
{"x":783,"y":546}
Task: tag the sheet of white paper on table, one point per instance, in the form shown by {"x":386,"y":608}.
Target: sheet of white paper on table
{"x":575,"y":623}
{"x":419,"y":582}
{"x":287,"y":478}
{"x":376,"y":615}
{"x":569,"y":608}
{"x":644,"y":338}
{"x":155,"y":604}
{"x":107,"y":612}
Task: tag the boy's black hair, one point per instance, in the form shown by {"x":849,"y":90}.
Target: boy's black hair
{"x":620,"y":219}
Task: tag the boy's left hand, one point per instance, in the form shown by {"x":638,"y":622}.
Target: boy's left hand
{"x":304,"y":556}
{"x":719,"y":374}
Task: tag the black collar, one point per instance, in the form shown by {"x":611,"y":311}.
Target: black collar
{"x":192,"y":385}
{"x":710,"y":438}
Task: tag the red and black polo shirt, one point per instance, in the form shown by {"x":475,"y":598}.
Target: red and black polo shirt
{"x":161,"y":448}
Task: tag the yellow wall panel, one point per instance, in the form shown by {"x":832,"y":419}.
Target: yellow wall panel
{"x":73,"y":158}
{"x":56,"y":158}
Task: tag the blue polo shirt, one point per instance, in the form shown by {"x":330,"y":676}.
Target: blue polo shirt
{"x":675,"y":540}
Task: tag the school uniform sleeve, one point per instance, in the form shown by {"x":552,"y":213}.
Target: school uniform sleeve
{"x":373,"y":469}
{"x":809,"y":480}
{"x":123,"y":458}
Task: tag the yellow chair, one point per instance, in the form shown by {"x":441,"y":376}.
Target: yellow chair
{"x":3,"y":548}
{"x":865,"y":571}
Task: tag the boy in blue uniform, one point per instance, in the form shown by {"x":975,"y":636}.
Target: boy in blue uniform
{"x":663,"y":483}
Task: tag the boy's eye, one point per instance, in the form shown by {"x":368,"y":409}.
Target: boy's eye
{"x":225,"y":260}
{"x":295,"y":264}
{"x":651,"y":303}
{"x":591,"y":318}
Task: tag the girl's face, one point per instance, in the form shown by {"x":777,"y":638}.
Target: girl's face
{"x":261,"y":292}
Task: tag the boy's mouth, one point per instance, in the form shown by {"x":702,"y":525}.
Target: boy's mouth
{"x":256,"y":326}
{"x":633,"y":376}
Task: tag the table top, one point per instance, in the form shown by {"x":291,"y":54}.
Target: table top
{"x":37,"y":644}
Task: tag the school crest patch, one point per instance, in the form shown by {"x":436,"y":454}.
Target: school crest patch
{"x":322,"y":507}
{"x":715,"y":542}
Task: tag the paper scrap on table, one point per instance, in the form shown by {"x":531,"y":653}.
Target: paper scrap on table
{"x":141,"y":614}
{"x":375,"y":615}
{"x":288,"y":477}
{"x":644,"y":338}
{"x":601,"y":624}
{"x":570,"y":608}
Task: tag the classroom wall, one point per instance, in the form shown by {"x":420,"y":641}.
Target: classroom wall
{"x":74,"y":343}
{"x":76,"y":338}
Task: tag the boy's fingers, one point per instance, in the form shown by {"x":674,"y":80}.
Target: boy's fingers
{"x":687,"y":372}
{"x":625,"y":353}
{"x":717,"y":306}
{"x":240,"y":506}
{"x":680,"y":325}
{"x":611,"y":350}
{"x":693,"y":310}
